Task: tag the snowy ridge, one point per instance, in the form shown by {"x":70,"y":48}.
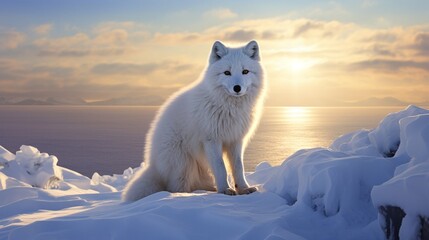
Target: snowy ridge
{"x":321,"y":193}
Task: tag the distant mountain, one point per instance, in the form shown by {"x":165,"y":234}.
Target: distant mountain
{"x":374,"y":101}
{"x":157,"y":100}
{"x":32,"y":102}
{"x":66,"y":101}
{"x":144,"y":101}
{"x":42,"y":101}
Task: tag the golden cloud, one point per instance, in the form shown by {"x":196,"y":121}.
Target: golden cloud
{"x":43,"y":29}
{"x":220,"y":13}
{"x":112,"y":37}
{"x":11,"y":39}
{"x":76,"y":40}
{"x":327,"y":60}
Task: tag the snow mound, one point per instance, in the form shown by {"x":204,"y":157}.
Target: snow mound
{"x":408,"y":189}
{"x":363,"y":171}
{"x":383,"y":141}
{"x":31,"y":167}
{"x":117,"y":180}
{"x":322,"y":193}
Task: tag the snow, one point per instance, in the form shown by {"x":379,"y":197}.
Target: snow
{"x":31,"y":167}
{"x":409,"y":187}
{"x":321,"y":193}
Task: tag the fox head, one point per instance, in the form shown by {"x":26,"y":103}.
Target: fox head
{"x":235,"y":71}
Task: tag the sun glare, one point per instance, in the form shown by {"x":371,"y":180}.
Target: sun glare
{"x":298,"y":65}
{"x":297,"y":114}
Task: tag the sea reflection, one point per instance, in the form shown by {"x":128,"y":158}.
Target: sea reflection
{"x":285,"y":130}
{"x":298,"y":115}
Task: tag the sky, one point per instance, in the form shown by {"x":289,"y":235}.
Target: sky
{"x":317,"y":53}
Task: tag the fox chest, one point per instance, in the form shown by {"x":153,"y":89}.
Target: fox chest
{"x":229,"y":124}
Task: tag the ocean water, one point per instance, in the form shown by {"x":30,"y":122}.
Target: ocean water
{"x":108,"y":140}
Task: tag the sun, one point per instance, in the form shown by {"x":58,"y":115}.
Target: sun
{"x":299,"y":65}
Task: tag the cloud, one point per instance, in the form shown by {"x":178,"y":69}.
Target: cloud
{"x":55,"y":71}
{"x":19,"y":72}
{"x":105,"y":91}
{"x":11,"y":39}
{"x":44,"y":88}
{"x":114,"y":58}
{"x":270,"y":35}
{"x":383,"y":36}
{"x":111,"y":25}
{"x":82,"y":53}
{"x":103,"y":36}
{"x":391,"y":65}
{"x":64,"y":53}
{"x":112,"y":37}
{"x":369,"y":3}
{"x":43,"y":29}
{"x":221,"y":13}
{"x":76,"y":40}
{"x":112,"y":42}
{"x":106,"y":39}
{"x":240,"y":35}
{"x":305,"y":27}
{"x":139,"y":69}
{"x":125,"y":68}
{"x":381,"y":50}
{"x":275,"y":29}
{"x":11,"y":70}
{"x":422,"y":43}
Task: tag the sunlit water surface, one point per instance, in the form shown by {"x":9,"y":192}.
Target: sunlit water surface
{"x":108,"y":140}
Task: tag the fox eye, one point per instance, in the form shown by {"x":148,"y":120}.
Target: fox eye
{"x":245,"y":71}
{"x":228,"y":73}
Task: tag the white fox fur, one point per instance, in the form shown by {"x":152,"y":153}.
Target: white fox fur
{"x":197,"y":125}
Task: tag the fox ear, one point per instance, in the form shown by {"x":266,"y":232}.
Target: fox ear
{"x":218,"y":51}
{"x":252,"y":50}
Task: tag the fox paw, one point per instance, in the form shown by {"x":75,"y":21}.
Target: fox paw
{"x":248,"y":190}
{"x":229,"y":191}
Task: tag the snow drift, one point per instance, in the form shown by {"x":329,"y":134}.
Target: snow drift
{"x":322,"y":193}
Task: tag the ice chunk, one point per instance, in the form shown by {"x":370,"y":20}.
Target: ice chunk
{"x":386,"y":136}
{"x":116,"y":180}
{"x":384,"y":140}
{"x":409,"y":188}
{"x":34,"y":168}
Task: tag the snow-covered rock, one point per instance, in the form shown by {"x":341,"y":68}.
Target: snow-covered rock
{"x":117,"y":180}
{"x":321,"y":193}
{"x":408,"y":189}
{"x":31,"y":167}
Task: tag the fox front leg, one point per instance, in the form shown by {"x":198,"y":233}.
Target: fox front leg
{"x":235,"y":157}
{"x":213,"y":151}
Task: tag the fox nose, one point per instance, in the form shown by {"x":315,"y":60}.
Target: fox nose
{"x":237,"y":88}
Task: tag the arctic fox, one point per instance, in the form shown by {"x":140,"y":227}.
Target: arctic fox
{"x":196,"y":126}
